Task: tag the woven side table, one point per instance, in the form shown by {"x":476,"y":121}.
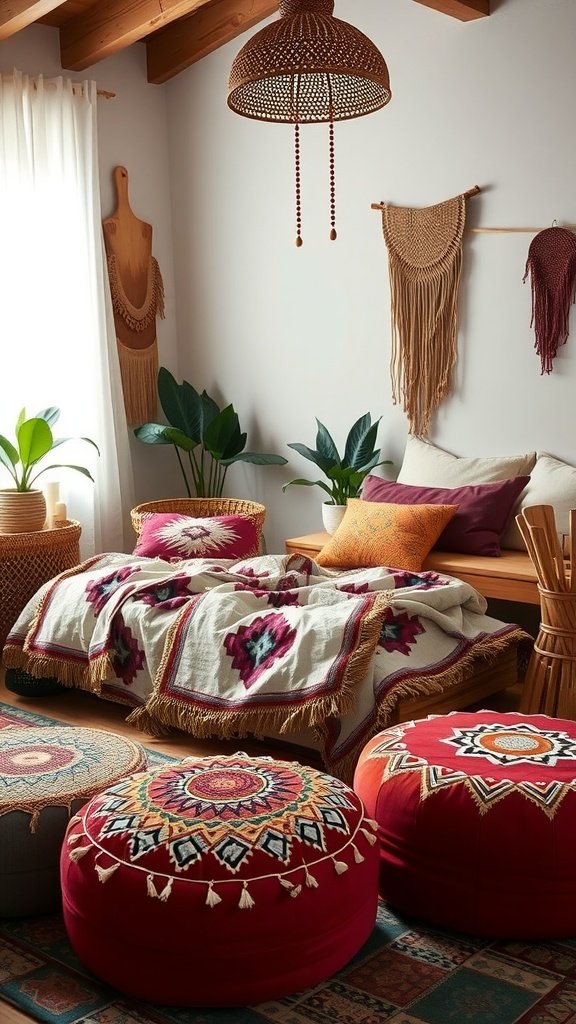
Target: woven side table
{"x":27,"y":560}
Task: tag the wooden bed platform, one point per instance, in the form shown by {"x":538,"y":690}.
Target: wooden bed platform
{"x":511,"y":577}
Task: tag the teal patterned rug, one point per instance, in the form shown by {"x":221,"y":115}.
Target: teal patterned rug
{"x":407,"y":973}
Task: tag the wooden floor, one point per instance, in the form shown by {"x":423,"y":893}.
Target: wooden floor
{"x":77,"y":708}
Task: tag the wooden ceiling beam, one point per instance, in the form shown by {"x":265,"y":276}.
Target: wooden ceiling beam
{"x":179,"y":46}
{"x":111,"y":25}
{"x":18,"y":14}
{"x":465,"y":10}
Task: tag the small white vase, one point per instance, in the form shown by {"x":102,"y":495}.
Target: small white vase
{"x":332,"y":516}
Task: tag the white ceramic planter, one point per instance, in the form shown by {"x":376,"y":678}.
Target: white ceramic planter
{"x":332,"y":516}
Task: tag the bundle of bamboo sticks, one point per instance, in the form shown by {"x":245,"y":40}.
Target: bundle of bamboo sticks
{"x":550,"y":684}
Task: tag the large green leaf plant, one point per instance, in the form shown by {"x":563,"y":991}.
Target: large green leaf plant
{"x":33,"y":441}
{"x":207,"y":439}
{"x":344,"y":473}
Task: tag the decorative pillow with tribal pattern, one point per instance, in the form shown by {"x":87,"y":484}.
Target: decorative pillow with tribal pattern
{"x":173,"y":537}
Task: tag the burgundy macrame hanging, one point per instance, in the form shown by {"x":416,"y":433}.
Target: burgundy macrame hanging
{"x":552,"y":265}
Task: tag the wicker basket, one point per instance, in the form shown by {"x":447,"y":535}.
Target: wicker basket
{"x":200,"y":508}
{"x":27,"y":560}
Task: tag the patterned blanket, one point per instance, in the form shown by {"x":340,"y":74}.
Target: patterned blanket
{"x":268,"y":646}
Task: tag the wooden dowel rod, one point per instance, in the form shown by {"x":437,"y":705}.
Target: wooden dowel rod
{"x":531,"y":231}
{"x":471,"y":192}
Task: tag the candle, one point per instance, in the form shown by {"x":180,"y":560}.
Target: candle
{"x":59,"y":513}
{"x":51,"y":495}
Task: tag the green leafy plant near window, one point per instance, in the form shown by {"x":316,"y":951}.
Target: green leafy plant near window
{"x":33,"y":441}
{"x":344,"y":473}
{"x":207,"y":439}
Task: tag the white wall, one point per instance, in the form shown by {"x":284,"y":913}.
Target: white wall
{"x":289,"y":334}
{"x":132,"y":131}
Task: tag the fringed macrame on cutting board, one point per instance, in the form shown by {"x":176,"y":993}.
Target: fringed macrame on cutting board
{"x":137,"y":293}
{"x":551,"y":265}
{"x":425,"y":264}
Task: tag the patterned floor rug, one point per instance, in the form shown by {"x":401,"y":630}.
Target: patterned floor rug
{"x":407,"y":973}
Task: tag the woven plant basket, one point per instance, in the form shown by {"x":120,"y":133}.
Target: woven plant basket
{"x":27,"y":560}
{"x":200,"y":508}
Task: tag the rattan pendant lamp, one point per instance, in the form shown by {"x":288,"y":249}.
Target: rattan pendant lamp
{"x":308,"y":67}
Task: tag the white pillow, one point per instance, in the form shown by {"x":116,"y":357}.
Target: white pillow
{"x":552,"y":482}
{"x":428,"y":466}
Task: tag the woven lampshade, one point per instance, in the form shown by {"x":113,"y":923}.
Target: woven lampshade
{"x":308,"y":67}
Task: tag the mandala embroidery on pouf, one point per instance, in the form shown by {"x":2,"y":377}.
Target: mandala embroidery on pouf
{"x":495,"y":743}
{"x":222,"y":813}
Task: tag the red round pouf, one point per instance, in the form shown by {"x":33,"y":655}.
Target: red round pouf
{"x":477,"y":821}
{"x":220,"y":881}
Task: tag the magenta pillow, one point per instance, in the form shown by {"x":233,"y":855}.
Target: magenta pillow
{"x":484,"y":510}
{"x":172,"y":536}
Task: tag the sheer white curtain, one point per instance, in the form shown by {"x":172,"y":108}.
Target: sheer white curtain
{"x":57,"y":338}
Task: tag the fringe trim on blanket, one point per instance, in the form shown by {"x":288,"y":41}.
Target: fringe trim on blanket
{"x":162,"y":710}
{"x":487,"y":650}
{"x":68,"y":673}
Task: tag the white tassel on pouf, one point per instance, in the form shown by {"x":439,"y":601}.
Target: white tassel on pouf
{"x":78,"y":853}
{"x":246,"y":901}
{"x":311,"y":882}
{"x":104,"y":873}
{"x":212,"y":898}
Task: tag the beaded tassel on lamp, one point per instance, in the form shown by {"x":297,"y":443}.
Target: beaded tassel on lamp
{"x":308,"y":67}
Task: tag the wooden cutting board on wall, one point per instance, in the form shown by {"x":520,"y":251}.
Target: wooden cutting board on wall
{"x":137,"y":298}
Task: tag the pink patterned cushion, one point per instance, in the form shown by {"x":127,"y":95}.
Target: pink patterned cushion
{"x":172,"y":536}
{"x":484,"y":510}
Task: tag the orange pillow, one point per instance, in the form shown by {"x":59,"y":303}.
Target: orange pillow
{"x":377,"y":533}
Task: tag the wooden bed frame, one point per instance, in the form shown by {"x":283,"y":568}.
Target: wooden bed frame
{"x":512,"y":577}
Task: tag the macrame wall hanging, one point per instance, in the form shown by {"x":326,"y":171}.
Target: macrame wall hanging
{"x":137,"y":293}
{"x":551,"y":265}
{"x":425,"y":263}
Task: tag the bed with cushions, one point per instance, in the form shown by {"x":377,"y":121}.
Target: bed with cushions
{"x":482,"y":543}
{"x":196,"y":630}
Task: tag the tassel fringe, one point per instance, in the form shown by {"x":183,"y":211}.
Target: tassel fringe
{"x":166,"y":890}
{"x":369,"y":836}
{"x":340,"y":867}
{"x":78,"y":853}
{"x":105,"y":873}
{"x":212,"y":898}
{"x":246,"y":902}
{"x":150,"y":887}
{"x":359,"y":859}
{"x":311,"y":882}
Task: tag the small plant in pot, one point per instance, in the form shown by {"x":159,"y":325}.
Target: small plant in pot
{"x":208,"y":437}
{"x":23,"y":507}
{"x":345,"y":473}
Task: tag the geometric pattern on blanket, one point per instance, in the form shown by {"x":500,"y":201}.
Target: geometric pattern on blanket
{"x":268,"y":645}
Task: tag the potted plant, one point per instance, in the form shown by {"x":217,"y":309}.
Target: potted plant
{"x":23,"y":507}
{"x":209,"y":437}
{"x":344,"y":473}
